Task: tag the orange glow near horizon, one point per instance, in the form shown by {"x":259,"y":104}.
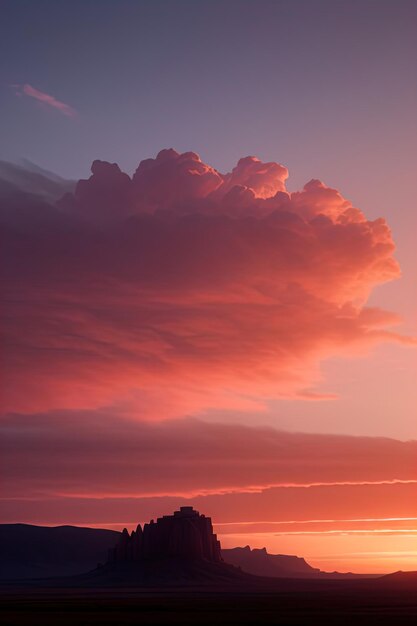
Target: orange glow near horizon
{"x":368,"y":553}
{"x":346,"y":548}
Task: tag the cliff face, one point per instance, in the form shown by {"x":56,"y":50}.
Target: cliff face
{"x":261,"y":563}
{"x":186,"y":535}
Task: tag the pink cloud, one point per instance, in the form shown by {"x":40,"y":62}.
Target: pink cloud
{"x":264,"y":179}
{"x":173,"y":179}
{"x":162,"y":292}
{"x":40,"y":96}
{"x":273,"y":505}
{"x":102,"y":454}
{"x":107,"y":468}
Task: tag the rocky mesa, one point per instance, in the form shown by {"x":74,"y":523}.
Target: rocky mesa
{"x":185,"y":535}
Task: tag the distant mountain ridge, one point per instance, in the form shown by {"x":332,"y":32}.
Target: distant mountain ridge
{"x":28,"y":551}
{"x":26,"y":177}
{"x":258,"y":561}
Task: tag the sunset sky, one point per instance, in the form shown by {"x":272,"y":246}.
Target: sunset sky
{"x":222,"y":312}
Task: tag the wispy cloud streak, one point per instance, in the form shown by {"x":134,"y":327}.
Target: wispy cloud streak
{"x":45,"y":98}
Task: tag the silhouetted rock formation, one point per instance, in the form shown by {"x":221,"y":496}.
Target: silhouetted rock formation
{"x":30,"y":552}
{"x":184,"y":535}
{"x":261,"y":563}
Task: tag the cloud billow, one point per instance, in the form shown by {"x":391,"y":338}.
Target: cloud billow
{"x":181,"y":289}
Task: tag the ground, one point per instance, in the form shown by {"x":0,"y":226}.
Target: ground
{"x":102,"y":607}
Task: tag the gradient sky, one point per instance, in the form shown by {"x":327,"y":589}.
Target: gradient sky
{"x":218,"y":355}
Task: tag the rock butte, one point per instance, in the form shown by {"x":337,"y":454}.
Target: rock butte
{"x":185,"y":535}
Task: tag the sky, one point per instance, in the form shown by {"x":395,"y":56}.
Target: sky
{"x":227,"y":317}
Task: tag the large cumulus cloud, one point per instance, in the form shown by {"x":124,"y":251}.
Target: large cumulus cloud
{"x":182,"y":288}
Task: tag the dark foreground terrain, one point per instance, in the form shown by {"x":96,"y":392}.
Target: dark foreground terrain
{"x":336,"y":604}
{"x":173,"y":583}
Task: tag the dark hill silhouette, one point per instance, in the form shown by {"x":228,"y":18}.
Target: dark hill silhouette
{"x":37,"y":551}
{"x":29,"y":178}
{"x":401,"y":580}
